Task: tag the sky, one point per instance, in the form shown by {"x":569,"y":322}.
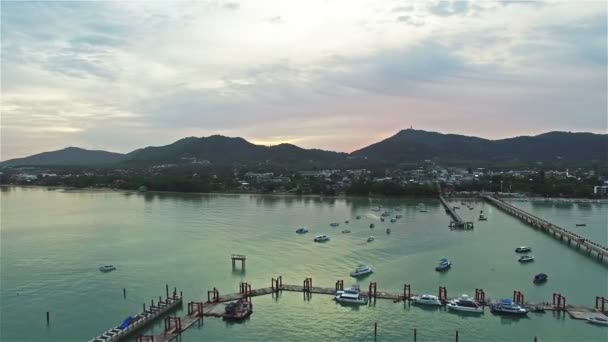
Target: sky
{"x":336,"y":75}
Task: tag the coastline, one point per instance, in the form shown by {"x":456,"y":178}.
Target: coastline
{"x":111,"y":190}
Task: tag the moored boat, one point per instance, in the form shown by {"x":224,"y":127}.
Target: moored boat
{"x":358,"y":217}
{"x":321,"y":238}
{"x":351,"y":295}
{"x":361,"y":270}
{"x":581,"y":224}
{"x":301,"y":230}
{"x":601,"y":320}
{"x":370,"y":239}
{"x":346,"y":231}
{"x":540,"y":278}
{"x":334,"y":224}
{"x":526,"y":258}
{"x":482,"y":217}
{"x":107,"y":268}
{"x":444,"y":265}
{"x":371,"y":226}
{"x":464,"y":303}
{"x":427,"y":299}
{"x":238,"y":310}
{"x":388,"y":230}
{"x":398,"y":216}
{"x":347,"y":222}
{"x":523,"y":249}
{"x":393,"y":220}
{"x":507,"y":307}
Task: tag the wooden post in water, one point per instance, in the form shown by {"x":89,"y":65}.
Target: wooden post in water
{"x":535,"y":339}
{"x":144,"y":307}
{"x":414,"y":334}
{"x":375,"y":329}
{"x":48,"y":317}
{"x":124,"y":292}
{"x":167,"y":290}
{"x":456,"y":335}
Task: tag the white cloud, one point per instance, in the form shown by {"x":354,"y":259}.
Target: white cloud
{"x":78,"y":73}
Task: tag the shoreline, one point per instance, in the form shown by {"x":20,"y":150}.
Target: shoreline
{"x":112,"y":190}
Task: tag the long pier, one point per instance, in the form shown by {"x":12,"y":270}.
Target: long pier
{"x":458,"y":222}
{"x":215,"y":304}
{"x":560,"y":233}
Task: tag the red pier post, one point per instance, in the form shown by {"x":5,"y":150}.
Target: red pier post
{"x":407,"y":291}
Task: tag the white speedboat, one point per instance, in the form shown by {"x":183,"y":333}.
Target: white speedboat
{"x":464,"y":303}
{"x":301,"y":230}
{"x":507,"y":307}
{"x":321,"y":238}
{"x":370,"y":239}
{"x":603,"y":320}
{"x":361,"y":270}
{"x":427,"y":299}
{"x":526,"y":258}
{"x":107,"y":268}
{"x":351,"y":295}
{"x":523,"y":249}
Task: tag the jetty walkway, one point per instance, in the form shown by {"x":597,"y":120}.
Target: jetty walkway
{"x":558,"y":232}
{"x":215,"y":304}
{"x":458,"y":222}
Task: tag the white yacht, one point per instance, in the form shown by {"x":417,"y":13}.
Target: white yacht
{"x":361,"y":270}
{"x":321,"y":238}
{"x":507,"y":307}
{"x":464,"y":303}
{"x":427,"y":299}
{"x":370,"y":239}
{"x":351,"y":295}
{"x":602,"y":320}
{"x":107,"y":268}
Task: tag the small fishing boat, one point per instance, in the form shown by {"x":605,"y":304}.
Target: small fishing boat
{"x":370,"y":239}
{"x":507,"y":307}
{"x":346,"y":231}
{"x":239,"y":310}
{"x":540,"y":278}
{"x":581,"y":224}
{"x":107,"y":268}
{"x":427,"y":299}
{"x":444,"y":265}
{"x":351,"y":295}
{"x":382,"y":219}
{"x":602,"y":320}
{"x":334,"y":224}
{"x":371,"y":226}
{"x":386,"y":214}
{"x":361,"y":270}
{"x":358,"y":217}
{"x":347,"y":221}
{"x":398,"y":216}
{"x":523,"y":249}
{"x":526,"y":258}
{"x":321,"y":238}
{"x":464,"y":303}
{"x":388,"y":230}
{"x":301,"y":230}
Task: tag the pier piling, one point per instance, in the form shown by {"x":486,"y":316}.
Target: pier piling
{"x":124,"y":292}
{"x":375,"y":329}
{"x":456,"y":335}
{"x":48,"y":317}
{"x":414,"y":334}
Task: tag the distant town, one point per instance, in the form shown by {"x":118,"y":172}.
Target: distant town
{"x":422,"y":180}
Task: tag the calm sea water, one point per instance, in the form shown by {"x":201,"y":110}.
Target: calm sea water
{"x":52,"y":243}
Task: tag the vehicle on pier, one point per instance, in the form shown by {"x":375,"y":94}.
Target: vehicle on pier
{"x":302,"y":230}
{"x":444,"y":265}
{"x":507,"y":307}
{"x":526,"y":258}
{"x":239,"y":310}
{"x":540,"y":278}
{"x":321,"y":238}
{"x":523,"y":249}
{"x":107,"y":268}
{"x":427,"y":299}
{"x":351,"y":295}
{"x":601,"y":320}
{"x":361,"y":270}
{"x":464,"y":303}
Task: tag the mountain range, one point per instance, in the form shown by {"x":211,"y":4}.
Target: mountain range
{"x":408,"y":145}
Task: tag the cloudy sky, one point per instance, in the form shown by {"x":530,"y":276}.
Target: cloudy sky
{"x":329,"y":74}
